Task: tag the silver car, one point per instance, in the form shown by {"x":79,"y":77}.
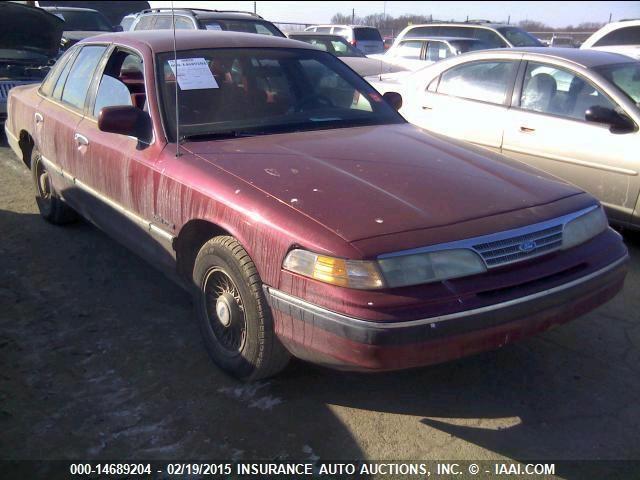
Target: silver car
{"x":573,"y":113}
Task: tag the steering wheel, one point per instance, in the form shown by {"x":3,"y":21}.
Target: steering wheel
{"x":313,"y":98}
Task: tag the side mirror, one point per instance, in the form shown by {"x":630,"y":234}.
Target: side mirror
{"x":118,"y":28}
{"x":126,"y":120}
{"x":394,"y":99}
{"x":618,"y":122}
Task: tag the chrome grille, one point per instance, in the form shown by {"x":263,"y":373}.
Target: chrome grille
{"x":521,"y":247}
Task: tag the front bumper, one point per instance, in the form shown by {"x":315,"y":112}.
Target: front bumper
{"x":322,"y":336}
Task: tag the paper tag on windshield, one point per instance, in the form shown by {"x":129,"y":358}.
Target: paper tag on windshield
{"x":193,"y":74}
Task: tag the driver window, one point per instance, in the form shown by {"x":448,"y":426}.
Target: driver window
{"x":556,"y":91}
{"x":122,"y":83}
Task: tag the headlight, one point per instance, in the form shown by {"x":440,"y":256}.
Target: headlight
{"x":337,"y":271}
{"x":390,"y":272}
{"x":430,"y":267}
{"x":584,"y":228}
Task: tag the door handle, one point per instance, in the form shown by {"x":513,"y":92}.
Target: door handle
{"x":524,"y":129}
{"x":81,"y":140}
{"x":38,"y":117}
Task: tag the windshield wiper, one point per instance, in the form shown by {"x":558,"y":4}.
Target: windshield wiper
{"x":220,"y":135}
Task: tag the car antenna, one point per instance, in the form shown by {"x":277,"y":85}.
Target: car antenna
{"x":175,"y":71}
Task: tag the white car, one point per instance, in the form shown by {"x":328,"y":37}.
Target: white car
{"x":416,"y":53}
{"x":364,"y":38}
{"x":619,"y":37}
{"x":573,"y":113}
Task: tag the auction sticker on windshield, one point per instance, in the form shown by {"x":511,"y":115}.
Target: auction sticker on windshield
{"x":193,"y":74}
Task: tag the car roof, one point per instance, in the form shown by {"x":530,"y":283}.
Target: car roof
{"x":316,"y":34}
{"x":200,"y":13}
{"x":68,"y":9}
{"x":463,"y":24}
{"x":158,"y":40}
{"x":586,"y":58}
{"x":444,"y":39}
{"x":341,"y":26}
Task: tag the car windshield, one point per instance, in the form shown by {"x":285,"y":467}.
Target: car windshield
{"x":84,"y":21}
{"x":332,"y":44}
{"x":625,"y":76}
{"x":464,"y":46}
{"x":252,"y":91}
{"x":519,"y":38}
{"x":239,"y":25}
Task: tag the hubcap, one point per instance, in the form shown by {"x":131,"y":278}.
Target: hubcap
{"x":225,"y":310}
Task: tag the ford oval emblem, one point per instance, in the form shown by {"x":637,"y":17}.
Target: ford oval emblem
{"x":527,"y":246}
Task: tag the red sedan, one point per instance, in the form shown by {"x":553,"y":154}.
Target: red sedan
{"x":307,"y":217}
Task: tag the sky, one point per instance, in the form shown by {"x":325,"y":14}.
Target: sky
{"x":553,"y":13}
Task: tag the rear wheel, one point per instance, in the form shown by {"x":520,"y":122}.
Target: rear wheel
{"x":233,"y":315}
{"x":51,"y":206}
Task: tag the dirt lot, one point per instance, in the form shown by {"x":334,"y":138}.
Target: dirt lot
{"x":100,"y":359}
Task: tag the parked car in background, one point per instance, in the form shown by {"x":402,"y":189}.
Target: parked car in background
{"x":496,"y":35}
{"x":388,"y":41}
{"x":573,"y":113}
{"x":281,"y":216}
{"x":202,"y":19}
{"x":366,"y":39}
{"x":561,"y":41}
{"x":415,"y":53}
{"x":338,"y":46}
{"x":619,"y":37}
{"x":80,"y":23}
{"x":128,"y":20}
{"x":26,"y":57}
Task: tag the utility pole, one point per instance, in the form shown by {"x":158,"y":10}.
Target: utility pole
{"x":610,"y":17}
{"x":509,"y":20}
{"x":353,"y":16}
{"x":255,"y":7}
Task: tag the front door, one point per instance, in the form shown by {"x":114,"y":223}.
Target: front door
{"x":549,"y":131}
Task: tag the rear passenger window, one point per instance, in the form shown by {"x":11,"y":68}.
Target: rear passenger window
{"x":81,"y":74}
{"x":57,"y":91}
{"x":621,"y":36}
{"x":490,"y":37}
{"x":163,"y":22}
{"x":484,"y":81}
{"x":437,"y":51}
{"x":422,"y":32}
{"x":145,"y":23}
{"x":323,"y":29}
{"x":184,"y":23}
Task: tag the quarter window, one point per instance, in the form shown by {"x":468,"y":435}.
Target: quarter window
{"x":184,"y":23}
{"x":556,"y":91}
{"x":485,"y":81}
{"x":437,"y":51}
{"x":145,"y":23}
{"x":50,"y":81}
{"x":75,"y":89}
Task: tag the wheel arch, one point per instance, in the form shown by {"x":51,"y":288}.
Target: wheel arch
{"x":26,"y":144}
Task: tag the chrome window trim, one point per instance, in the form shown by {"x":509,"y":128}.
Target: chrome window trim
{"x":469,"y":243}
{"x":352,"y":321}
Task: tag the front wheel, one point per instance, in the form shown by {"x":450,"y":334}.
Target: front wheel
{"x":234,"y":317}
{"x":51,"y":206}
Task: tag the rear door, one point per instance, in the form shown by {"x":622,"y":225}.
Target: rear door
{"x":548,"y":130}
{"x":468,"y":101}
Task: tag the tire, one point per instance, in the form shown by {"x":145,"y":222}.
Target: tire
{"x":233,"y":315}
{"x":51,"y":206}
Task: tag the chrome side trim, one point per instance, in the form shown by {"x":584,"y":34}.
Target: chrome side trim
{"x":313,"y":309}
{"x":469,"y":243}
{"x":149,"y":226}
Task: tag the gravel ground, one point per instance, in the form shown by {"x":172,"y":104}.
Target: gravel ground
{"x":101,"y":359}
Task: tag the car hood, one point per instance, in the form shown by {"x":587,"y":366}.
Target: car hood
{"x":29,"y":29}
{"x":368,"y":66}
{"x":364,"y":182}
